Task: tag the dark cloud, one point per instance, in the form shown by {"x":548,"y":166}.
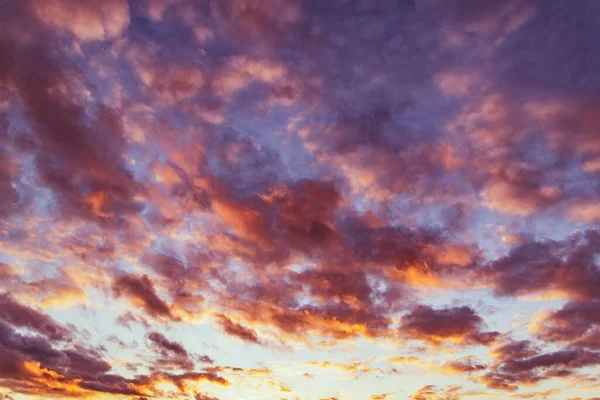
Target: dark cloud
{"x":170,"y":267}
{"x":163,"y":344}
{"x":77,"y":147}
{"x":521,"y":363}
{"x":34,"y":365}
{"x":541,"y":266}
{"x":141,"y":292}
{"x":9,"y":199}
{"x":21,"y":315}
{"x":238,"y":330}
{"x":205,"y":359}
{"x":171,"y":353}
{"x":576,"y":323}
{"x":456,"y":324}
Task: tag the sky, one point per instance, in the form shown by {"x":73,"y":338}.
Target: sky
{"x":299,"y":199}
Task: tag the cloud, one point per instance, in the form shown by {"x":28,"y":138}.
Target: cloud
{"x":307,"y":173}
{"x":576,"y":323}
{"x":141,"y":292}
{"x":9,"y":173}
{"x":204,"y":396}
{"x":164,"y":344}
{"x":65,"y":134}
{"x":431,"y":392}
{"x":586,"y":212}
{"x":93,"y":20}
{"x":356,"y":368}
{"x":539,"y":266}
{"x":382,"y":396}
{"x":41,"y":365}
{"x":538,"y":395}
{"x":171,"y":354}
{"x":24,"y":316}
{"x":238,"y":330}
{"x":459,"y":325}
{"x":467,"y":365}
{"x":521,"y":363}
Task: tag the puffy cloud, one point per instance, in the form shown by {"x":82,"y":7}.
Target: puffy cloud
{"x":78,"y":148}
{"x":521,"y":363}
{"x":576,"y":323}
{"x":7,"y":271}
{"x":541,"y":266}
{"x":93,"y":20}
{"x":519,"y":197}
{"x":459,"y":325}
{"x":586,"y":212}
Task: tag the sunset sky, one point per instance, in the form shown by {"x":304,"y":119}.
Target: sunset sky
{"x":299,"y":199}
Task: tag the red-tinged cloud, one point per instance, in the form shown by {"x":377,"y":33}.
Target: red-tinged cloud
{"x":467,"y":365}
{"x":165,"y":345}
{"x":283,"y":220}
{"x":382,"y":396}
{"x":9,"y":174}
{"x":180,"y":380}
{"x":237,"y":330}
{"x":568,"y":268}
{"x":7,"y":272}
{"x":518,"y":192}
{"x":172,"y":82}
{"x":41,"y":366}
{"x":24,"y":316}
{"x":37,"y":364}
{"x":140,"y":291}
{"x":204,"y":396}
{"x":576,"y":323}
{"x":90,"y":20}
{"x":354,"y":288}
{"x":459,"y":325}
{"x":337,"y":320}
{"x":521,"y":363}
{"x":205,"y":359}
{"x":167,"y":266}
{"x":432,"y":392}
{"x":170,"y":354}
{"x":85,"y":140}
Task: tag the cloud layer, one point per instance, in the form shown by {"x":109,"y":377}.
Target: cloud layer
{"x":299,"y":180}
